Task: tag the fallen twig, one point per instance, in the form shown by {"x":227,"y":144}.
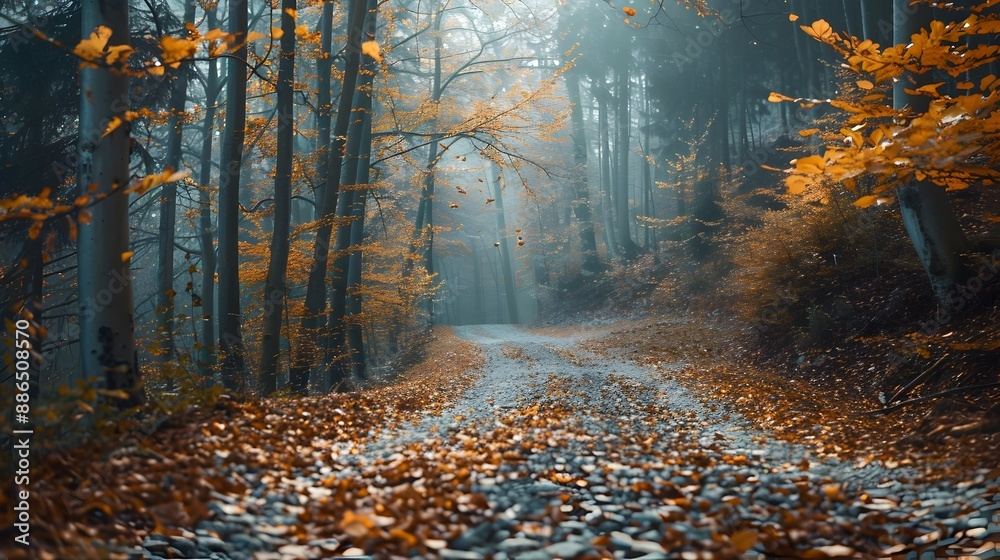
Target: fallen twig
{"x":954,"y":391}
{"x":906,"y":388}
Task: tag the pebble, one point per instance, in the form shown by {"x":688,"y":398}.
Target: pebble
{"x":451,"y":554}
{"x":567,"y":549}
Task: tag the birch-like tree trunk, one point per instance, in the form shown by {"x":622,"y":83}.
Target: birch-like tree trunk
{"x":107,"y":343}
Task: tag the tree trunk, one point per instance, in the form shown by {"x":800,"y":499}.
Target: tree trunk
{"x":274,"y":285}
{"x":324,"y":105}
{"x":360,"y":161}
{"x":852,"y":15}
{"x":316,"y":301}
{"x":622,"y":212}
{"x":230,"y":327}
{"x":206,"y":360}
{"x":581,"y":206}
{"x":107,"y":344}
{"x":168,"y":211}
{"x":348,"y":212}
{"x":506,"y":259}
{"x":605,"y":154}
{"x":925,"y":207}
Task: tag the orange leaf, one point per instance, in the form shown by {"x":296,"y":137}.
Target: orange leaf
{"x":127,"y":255}
{"x":796,"y":184}
{"x":115,"y":123}
{"x":865,"y":84}
{"x":775,"y":97}
{"x":808,"y":132}
{"x":372,"y":49}
{"x":866,"y":201}
{"x":630,"y":11}
{"x":793,"y":17}
{"x":813,"y":164}
{"x":820,"y":30}
{"x":743,"y":540}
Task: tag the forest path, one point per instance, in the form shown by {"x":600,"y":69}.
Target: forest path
{"x":559,"y":452}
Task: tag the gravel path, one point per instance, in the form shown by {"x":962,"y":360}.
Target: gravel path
{"x":559,"y":453}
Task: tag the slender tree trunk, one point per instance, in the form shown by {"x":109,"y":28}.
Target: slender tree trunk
{"x":622,"y":212}
{"x":350,"y":209}
{"x":363,"y":102}
{"x":324,"y":104}
{"x":506,"y":258}
{"x":168,"y":210}
{"x":605,"y":153}
{"x":274,"y":285}
{"x":926,"y":209}
{"x":107,"y":343}
{"x":316,"y":301}
{"x":230,"y":321}
{"x":852,"y":15}
{"x":581,"y":206}
{"x":206,"y":236}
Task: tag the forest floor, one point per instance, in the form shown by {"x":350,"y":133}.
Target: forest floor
{"x":628,"y":440}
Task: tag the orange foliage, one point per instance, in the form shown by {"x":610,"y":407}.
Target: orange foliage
{"x":955,"y":143}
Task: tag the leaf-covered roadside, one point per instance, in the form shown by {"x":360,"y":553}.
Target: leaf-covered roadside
{"x":92,"y":497}
{"x":822,"y":403}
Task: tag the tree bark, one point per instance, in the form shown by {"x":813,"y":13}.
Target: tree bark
{"x":206,"y":360}
{"x":168,"y":209}
{"x":622,"y":211}
{"x":506,"y":258}
{"x":605,"y":154}
{"x":274,"y":285}
{"x":360,"y":161}
{"x":230,"y":327}
{"x":581,"y":206}
{"x":324,"y":104}
{"x":107,"y":343}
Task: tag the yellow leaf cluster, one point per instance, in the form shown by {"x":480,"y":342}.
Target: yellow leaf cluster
{"x":95,"y":51}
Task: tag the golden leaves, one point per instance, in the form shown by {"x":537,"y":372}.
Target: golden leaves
{"x":629,"y":11}
{"x":819,"y":30}
{"x":149,"y":181}
{"x":793,"y":17}
{"x":775,"y":97}
{"x":174,"y":50}
{"x":95,"y":50}
{"x":810,"y":164}
{"x":372,"y":49}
